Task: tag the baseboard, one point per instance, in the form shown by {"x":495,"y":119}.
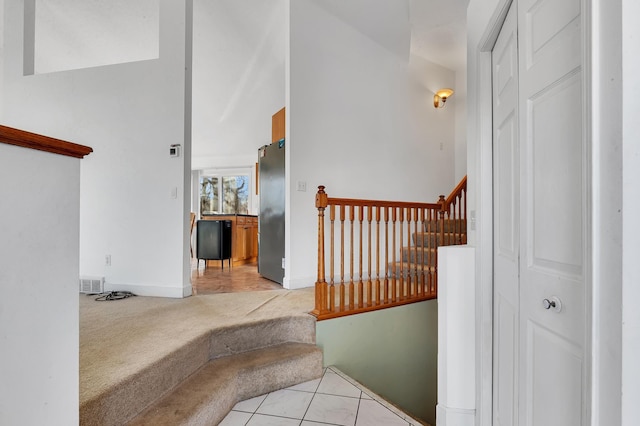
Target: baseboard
{"x":297,"y":283}
{"x":446,"y":416}
{"x":177,"y":292}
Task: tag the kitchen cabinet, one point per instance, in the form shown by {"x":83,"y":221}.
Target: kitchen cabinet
{"x":244,"y":240}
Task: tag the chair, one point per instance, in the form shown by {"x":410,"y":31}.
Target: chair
{"x":193,"y":223}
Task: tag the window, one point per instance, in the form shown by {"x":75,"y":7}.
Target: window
{"x":224,"y":194}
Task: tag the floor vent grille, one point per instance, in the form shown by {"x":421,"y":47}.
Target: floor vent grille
{"x":91,"y":285}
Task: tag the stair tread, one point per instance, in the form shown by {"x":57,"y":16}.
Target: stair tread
{"x":208,"y":395}
{"x":125,"y":399}
{"x":423,"y":248}
{"x":413,"y":265}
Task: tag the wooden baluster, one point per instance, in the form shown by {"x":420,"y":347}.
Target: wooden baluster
{"x":342,"y":299}
{"x":321,"y":284}
{"x":409,"y":263}
{"x":369,"y":282}
{"x":449,"y":223}
{"x":459,"y":220}
{"x":441,"y":201}
{"x":452,"y":222}
{"x":466,"y":226}
{"x":394,"y":280}
{"x":360,"y":282}
{"x":351,"y":258}
{"x":433,"y":250}
{"x":332,"y":289}
{"x":430,"y":248}
{"x":401,"y":270}
{"x":377,"y":283}
{"x":385,"y":299}
{"x":435,"y":255}
{"x":416,"y":266}
{"x":422,"y":255}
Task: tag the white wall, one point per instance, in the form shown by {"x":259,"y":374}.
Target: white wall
{"x":39,"y":377}
{"x":130,"y":114}
{"x":456,"y":336}
{"x":358,"y":122}
{"x":607,"y":213}
{"x":460,"y":155}
{"x":630,"y":214}
{"x":238,"y":79}
{"x":391,"y":351}
{"x":107,"y":33}
{"x":2,"y":56}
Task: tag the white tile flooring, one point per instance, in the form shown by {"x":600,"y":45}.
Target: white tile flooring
{"x":334,"y":399}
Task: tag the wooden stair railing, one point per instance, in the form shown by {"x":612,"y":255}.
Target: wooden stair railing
{"x":388,"y":248}
{"x":12,"y":136}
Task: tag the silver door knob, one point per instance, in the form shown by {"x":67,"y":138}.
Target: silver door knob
{"x":552,"y":303}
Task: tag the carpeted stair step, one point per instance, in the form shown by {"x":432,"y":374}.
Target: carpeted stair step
{"x":419,"y":255}
{"x":450,"y":225}
{"x":209,"y":394}
{"x":429,"y":239}
{"x":120,"y":402}
{"x":405,"y":269}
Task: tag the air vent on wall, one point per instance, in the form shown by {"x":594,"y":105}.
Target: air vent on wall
{"x":92,"y":285}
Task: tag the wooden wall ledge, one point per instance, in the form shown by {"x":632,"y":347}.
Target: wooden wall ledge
{"x":12,"y":136}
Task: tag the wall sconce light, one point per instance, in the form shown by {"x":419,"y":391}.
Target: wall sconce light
{"x":441,"y":97}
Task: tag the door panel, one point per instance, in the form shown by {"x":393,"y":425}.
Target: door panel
{"x":555,"y":366}
{"x":556,"y":185}
{"x":552,"y":214}
{"x":505,"y":358}
{"x":546,"y":22}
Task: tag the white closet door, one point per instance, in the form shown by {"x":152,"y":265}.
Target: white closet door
{"x":540,"y":217}
{"x":553,"y":217}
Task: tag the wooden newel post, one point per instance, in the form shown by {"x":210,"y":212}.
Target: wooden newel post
{"x":321,"y":284}
{"x":442,"y":203}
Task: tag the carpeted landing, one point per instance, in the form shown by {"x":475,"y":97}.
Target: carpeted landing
{"x":158,"y":361}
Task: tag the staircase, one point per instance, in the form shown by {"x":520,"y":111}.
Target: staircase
{"x":422,"y":253}
{"x":378,"y":254}
{"x":199,"y":382}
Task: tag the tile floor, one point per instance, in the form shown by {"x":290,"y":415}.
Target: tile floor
{"x":334,"y":399}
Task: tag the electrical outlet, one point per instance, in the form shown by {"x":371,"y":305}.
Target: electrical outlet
{"x":302,"y":186}
{"x":107,"y":260}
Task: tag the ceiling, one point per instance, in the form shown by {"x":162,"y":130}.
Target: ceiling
{"x":437,"y":27}
{"x":438,"y":31}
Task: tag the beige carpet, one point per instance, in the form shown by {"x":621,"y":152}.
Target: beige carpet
{"x":119,"y":338}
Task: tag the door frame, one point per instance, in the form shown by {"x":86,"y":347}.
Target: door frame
{"x":484,"y":205}
{"x":601,"y":406}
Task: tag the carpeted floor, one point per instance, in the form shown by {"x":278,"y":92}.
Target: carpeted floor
{"x":120,"y":337}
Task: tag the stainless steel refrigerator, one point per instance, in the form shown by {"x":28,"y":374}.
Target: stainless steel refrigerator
{"x":271,"y":215}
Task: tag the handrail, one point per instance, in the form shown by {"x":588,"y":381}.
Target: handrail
{"x":459,"y":189}
{"x":403,"y":236}
{"x":454,"y":210}
{"x":25,"y":139}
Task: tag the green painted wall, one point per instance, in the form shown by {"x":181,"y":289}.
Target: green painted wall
{"x":392,"y":351}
